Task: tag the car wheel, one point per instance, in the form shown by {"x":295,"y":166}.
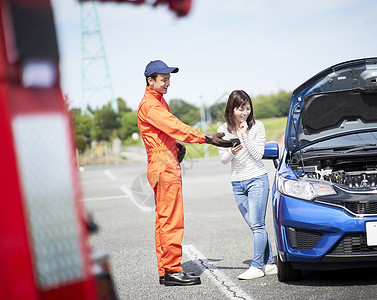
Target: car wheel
{"x":286,"y":272}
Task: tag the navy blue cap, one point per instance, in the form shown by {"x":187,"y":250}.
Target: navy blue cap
{"x":158,"y":66}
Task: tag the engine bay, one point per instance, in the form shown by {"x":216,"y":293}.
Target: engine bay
{"x":355,"y":173}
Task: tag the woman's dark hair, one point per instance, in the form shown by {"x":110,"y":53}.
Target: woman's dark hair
{"x":153,"y":76}
{"x":238,"y":98}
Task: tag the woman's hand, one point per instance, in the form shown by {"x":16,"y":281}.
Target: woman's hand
{"x":241,"y":131}
{"x":236,"y":148}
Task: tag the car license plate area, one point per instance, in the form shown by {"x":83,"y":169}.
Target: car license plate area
{"x":371,"y":228}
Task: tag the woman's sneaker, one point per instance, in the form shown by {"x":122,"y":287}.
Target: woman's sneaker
{"x":270,"y":269}
{"x":251,"y":273}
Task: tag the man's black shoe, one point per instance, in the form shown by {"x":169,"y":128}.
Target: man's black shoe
{"x":162,"y":278}
{"x":180,"y":278}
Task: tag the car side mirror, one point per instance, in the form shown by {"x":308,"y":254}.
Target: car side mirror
{"x":271,"y":151}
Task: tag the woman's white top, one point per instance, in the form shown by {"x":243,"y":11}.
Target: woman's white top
{"x":247,"y":163}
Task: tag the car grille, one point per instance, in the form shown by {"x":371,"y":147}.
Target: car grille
{"x":303,"y":239}
{"x":367,"y":208}
{"x":354,"y":244}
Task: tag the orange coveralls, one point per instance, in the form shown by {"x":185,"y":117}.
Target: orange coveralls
{"x":160,"y":130}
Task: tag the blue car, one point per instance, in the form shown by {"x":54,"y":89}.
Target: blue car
{"x":324,"y":195}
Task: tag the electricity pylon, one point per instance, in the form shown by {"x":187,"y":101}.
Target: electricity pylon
{"x":96,"y":81}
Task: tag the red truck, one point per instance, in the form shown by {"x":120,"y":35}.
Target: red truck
{"x":44,"y":248}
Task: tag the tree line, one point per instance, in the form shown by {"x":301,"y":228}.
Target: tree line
{"x":105,"y":124}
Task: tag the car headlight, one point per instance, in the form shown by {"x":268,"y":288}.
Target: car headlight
{"x":304,"y":189}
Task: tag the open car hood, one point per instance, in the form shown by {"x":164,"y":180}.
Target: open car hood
{"x":339,"y":100}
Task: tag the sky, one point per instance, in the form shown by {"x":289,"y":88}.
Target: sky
{"x":255,"y":45}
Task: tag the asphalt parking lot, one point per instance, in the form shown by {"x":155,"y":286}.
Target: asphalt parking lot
{"x":217,"y":243}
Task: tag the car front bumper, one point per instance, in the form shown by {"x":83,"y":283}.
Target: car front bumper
{"x":321,"y":236}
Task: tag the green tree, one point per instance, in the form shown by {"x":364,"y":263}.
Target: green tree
{"x":122,"y":106}
{"x":81,"y":143}
{"x":264,"y":107}
{"x":82,"y":129}
{"x":283,"y":100}
{"x":82,"y":123}
{"x":128,"y":125}
{"x":107,"y":121}
{"x":187,"y":113}
{"x":218,"y":111}
{"x":107,"y":124}
{"x":273,"y":105}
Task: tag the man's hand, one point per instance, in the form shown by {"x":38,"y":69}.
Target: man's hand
{"x":181,"y":152}
{"x":216,"y":140}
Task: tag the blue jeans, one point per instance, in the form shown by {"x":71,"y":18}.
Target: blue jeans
{"x":251,"y":197}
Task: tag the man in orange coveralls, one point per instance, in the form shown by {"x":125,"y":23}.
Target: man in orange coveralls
{"x":162,"y":133}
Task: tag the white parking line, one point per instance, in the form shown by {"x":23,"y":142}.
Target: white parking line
{"x":105,"y":198}
{"x":226,"y":286}
{"x":128,"y":192}
{"x":110,"y":175}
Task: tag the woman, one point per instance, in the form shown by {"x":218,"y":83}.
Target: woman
{"x":249,"y":177}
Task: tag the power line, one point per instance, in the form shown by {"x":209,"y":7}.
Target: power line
{"x":96,"y":83}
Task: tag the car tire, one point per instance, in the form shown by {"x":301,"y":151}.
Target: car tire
{"x":286,"y":272}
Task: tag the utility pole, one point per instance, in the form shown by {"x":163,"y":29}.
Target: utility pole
{"x":96,"y":83}
{"x":203,"y":121}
